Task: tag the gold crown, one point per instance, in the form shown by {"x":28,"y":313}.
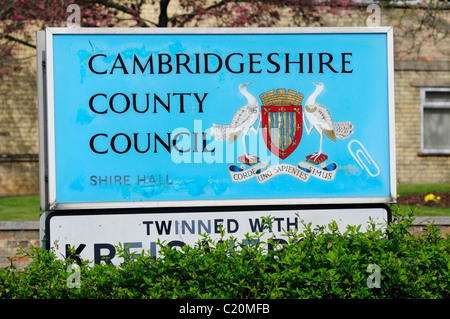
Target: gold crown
{"x":282,"y":97}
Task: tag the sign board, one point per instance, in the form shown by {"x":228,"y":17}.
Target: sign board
{"x":96,"y":236}
{"x":138,"y":118}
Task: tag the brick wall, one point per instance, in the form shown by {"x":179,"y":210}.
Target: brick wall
{"x":19,"y":177}
{"x":413,"y":166}
{"x":19,"y":146}
{"x":14,"y":235}
{"x":18,"y":108}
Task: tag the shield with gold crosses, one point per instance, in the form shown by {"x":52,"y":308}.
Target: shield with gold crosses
{"x":281,"y":117}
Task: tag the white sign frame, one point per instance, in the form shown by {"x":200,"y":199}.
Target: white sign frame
{"x":47,"y":133}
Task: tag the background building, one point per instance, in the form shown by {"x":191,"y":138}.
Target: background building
{"x":422,"y":67}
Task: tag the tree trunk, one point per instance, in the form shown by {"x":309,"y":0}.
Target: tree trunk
{"x":163,"y":18}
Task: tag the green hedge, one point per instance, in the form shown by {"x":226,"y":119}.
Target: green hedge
{"x":316,"y":263}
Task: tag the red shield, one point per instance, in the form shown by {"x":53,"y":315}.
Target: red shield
{"x":282,"y":128}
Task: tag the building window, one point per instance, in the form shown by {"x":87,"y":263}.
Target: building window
{"x":435,"y":120}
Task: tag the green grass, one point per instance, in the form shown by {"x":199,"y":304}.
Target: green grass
{"x":404,"y":189}
{"x":19,"y":208}
{"x":429,"y":211}
{"x":27,"y":207}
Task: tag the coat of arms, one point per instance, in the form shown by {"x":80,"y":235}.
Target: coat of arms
{"x":243,"y":120}
{"x":281,"y":116}
{"x":282,"y":119}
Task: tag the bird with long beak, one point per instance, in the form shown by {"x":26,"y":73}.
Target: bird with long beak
{"x":243,"y":120}
{"x":320,"y":119}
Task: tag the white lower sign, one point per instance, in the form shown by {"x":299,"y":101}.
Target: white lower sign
{"x":95,"y":237}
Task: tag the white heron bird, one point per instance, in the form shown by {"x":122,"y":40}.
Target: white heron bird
{"x":242,"y":121}
{"x":319,"y":117}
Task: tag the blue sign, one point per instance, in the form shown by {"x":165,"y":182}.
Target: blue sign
{"x":196,"y":117}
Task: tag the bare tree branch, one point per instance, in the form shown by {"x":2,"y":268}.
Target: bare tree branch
{"x":11,"y":38}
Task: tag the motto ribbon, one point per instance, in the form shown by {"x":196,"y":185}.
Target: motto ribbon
{"x":303,"y":171}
